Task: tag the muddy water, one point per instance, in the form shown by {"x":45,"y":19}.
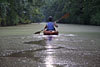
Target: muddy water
{"x":75,"y":46}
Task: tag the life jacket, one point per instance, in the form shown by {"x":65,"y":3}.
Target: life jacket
{"x":50,"y":26}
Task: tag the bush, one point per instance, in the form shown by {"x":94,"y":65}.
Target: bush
{"x":0,"y":21}
{"x":27,"y":21}
{"x":95,"y":19}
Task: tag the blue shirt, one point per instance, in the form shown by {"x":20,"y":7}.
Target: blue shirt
{"x":50,"y":26}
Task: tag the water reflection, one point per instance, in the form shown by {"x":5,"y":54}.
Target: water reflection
{"x":50,"y":38}
{"x":49,"y":60}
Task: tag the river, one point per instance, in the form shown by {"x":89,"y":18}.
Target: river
{"x":75,"y":46}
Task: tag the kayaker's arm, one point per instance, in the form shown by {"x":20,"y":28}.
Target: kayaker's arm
{"x":45,"y":27}
{"x":55,"y":24}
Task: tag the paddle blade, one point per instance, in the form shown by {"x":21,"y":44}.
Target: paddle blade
{"x":37,"y":32}
{"x":66,"y":15}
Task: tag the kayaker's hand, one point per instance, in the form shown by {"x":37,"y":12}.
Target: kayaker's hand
{"x":56,"y":25}
{"x":55,"y":22}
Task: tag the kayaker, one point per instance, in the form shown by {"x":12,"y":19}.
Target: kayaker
{"x":50,"y":26}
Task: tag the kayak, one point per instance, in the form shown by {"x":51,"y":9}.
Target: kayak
{"x":50,"y":32}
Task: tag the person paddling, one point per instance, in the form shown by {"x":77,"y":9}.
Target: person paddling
{"x":50,"y":26}
{"x":49,"y":29}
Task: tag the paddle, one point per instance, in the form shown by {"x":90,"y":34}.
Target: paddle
{"x":38,"y":32}
{"x":65,"y":16}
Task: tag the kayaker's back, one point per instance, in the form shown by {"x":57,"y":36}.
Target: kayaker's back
{"x":50,"y":26}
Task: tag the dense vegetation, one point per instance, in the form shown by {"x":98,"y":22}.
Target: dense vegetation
{"x":13,"y":12}
{"x":81,"y":11}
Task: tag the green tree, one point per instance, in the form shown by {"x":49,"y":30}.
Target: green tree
{"x":13,"y":12}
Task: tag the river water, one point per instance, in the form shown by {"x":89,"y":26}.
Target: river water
{"x":75,"y":46}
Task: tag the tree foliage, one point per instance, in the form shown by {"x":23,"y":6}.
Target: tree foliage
{"x":81,"y":11}
{"x":13,"y":12}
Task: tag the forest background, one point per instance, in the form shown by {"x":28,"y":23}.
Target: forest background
{"x":14,"y":12}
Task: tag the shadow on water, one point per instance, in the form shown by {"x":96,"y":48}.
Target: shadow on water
{"x":40,"y":42}
{"x":30,"y":53}
{"x":41,"y":55}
